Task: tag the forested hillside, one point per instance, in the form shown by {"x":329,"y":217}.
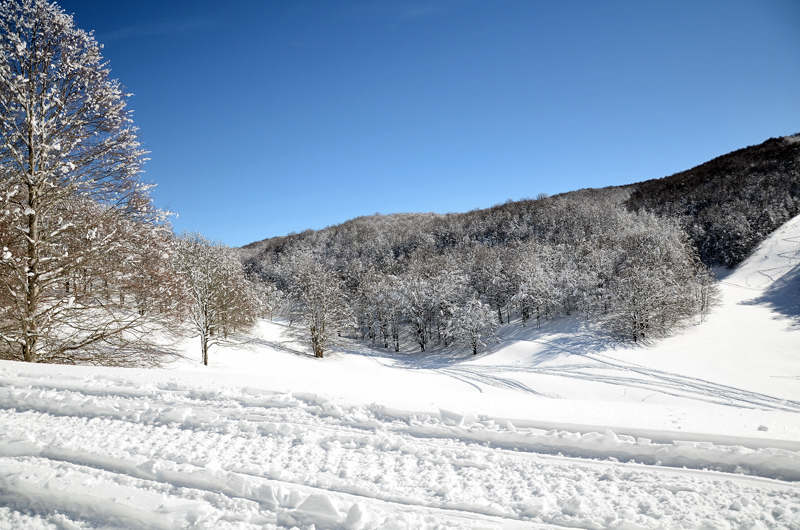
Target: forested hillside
{"x":631,"y":260}
{"x":730,"y":204}
{"x":91,"y":272}
{"x":443,"y":280}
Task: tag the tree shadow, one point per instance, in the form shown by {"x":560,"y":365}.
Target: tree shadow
{"x":558,"y":338}
{"x":569,"y":348}
{"x":280,"y":346}
{"x":433,"y":358}
{"x":783,"y":297}
{"x":573,"y":349}
{"x":555,"y":339}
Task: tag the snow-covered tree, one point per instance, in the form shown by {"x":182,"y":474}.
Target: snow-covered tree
{"x":320,"y":304}
{"x":707,"y":291}
{"x":419,"y":306}
{"x":270,"y":297}
{"x":490,"y":277}
{"x":70,"y":189}
{"x":432,"y":292}
{"x":536,"y":294}
{"x":219,"y":299}
{"x":654,"y":282}
{"x":391,"y":303}
{"x":475,"y":325}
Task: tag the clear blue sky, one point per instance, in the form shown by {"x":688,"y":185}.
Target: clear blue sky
{"x":267,"y":117}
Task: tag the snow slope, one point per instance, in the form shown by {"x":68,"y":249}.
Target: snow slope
{"x":553,"y":428}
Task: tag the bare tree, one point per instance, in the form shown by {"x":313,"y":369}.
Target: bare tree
{"x":320,"y":304}
{"x":70,"y":189}
{"x":475,"y":325}
{"x":219,"y":299}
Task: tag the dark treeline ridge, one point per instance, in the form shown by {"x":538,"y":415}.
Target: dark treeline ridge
{"x":632,"y":261}
{"x":730,"y":204}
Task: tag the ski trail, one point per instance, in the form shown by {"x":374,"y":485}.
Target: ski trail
{"x":101,"y":453}
{"x":606,"y":369}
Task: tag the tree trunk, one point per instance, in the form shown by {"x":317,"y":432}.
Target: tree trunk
{"x":29,"y":349}
{"x":30,"y":325}
{"x":316,"y":342}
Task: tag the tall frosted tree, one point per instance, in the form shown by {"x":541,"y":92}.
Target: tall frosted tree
{"x":320,"y":304}
{"x":70,"y":166}
{"x":219,"y":299}
{"x":474,"y":325}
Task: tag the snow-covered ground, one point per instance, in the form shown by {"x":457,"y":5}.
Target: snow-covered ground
{"x":552,"y":428}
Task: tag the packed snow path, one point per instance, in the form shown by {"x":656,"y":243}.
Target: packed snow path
{"x":104,"y":452}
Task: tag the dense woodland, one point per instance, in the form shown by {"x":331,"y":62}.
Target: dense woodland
{"x":444,"y":280}
{"x":730,"y":204}
{"x":633,"y":261}
{"x":91,"y":272}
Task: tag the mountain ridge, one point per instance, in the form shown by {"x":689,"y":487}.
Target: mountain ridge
{"x":767,"y":175}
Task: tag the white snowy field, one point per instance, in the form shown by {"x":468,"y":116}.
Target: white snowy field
{"x":552,"y":428}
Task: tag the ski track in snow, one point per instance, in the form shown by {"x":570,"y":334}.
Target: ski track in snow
{"x":605,"y":369}
{"x":788,"y":259}
{"x":104,"y":453}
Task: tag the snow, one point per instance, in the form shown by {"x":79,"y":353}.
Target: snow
{"x":551,"y":428}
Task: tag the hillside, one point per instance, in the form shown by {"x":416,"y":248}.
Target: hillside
{"x":554,"y":428}
{"x":560,"y":362}
{"x":730,"y":204}
{"x":742,"y":357}
{"x":633,"y":260}
{"x":727,"y":205}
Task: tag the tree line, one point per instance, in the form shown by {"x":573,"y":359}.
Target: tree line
{"x":730,"y":204}
{"x":451,"y":280}
{"x":632,"y":259}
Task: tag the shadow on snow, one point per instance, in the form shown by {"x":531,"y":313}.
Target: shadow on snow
{"x":783,"y":297}
{"x":571,"y":349}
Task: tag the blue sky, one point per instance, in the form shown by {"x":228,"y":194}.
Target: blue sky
{"x":264,"y":118}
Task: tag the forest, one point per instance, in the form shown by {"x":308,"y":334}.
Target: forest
{"x":730,"y":204}
{"x":634,"y":261}
{"x":91,"y":271}
{"x":450,"y":280}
